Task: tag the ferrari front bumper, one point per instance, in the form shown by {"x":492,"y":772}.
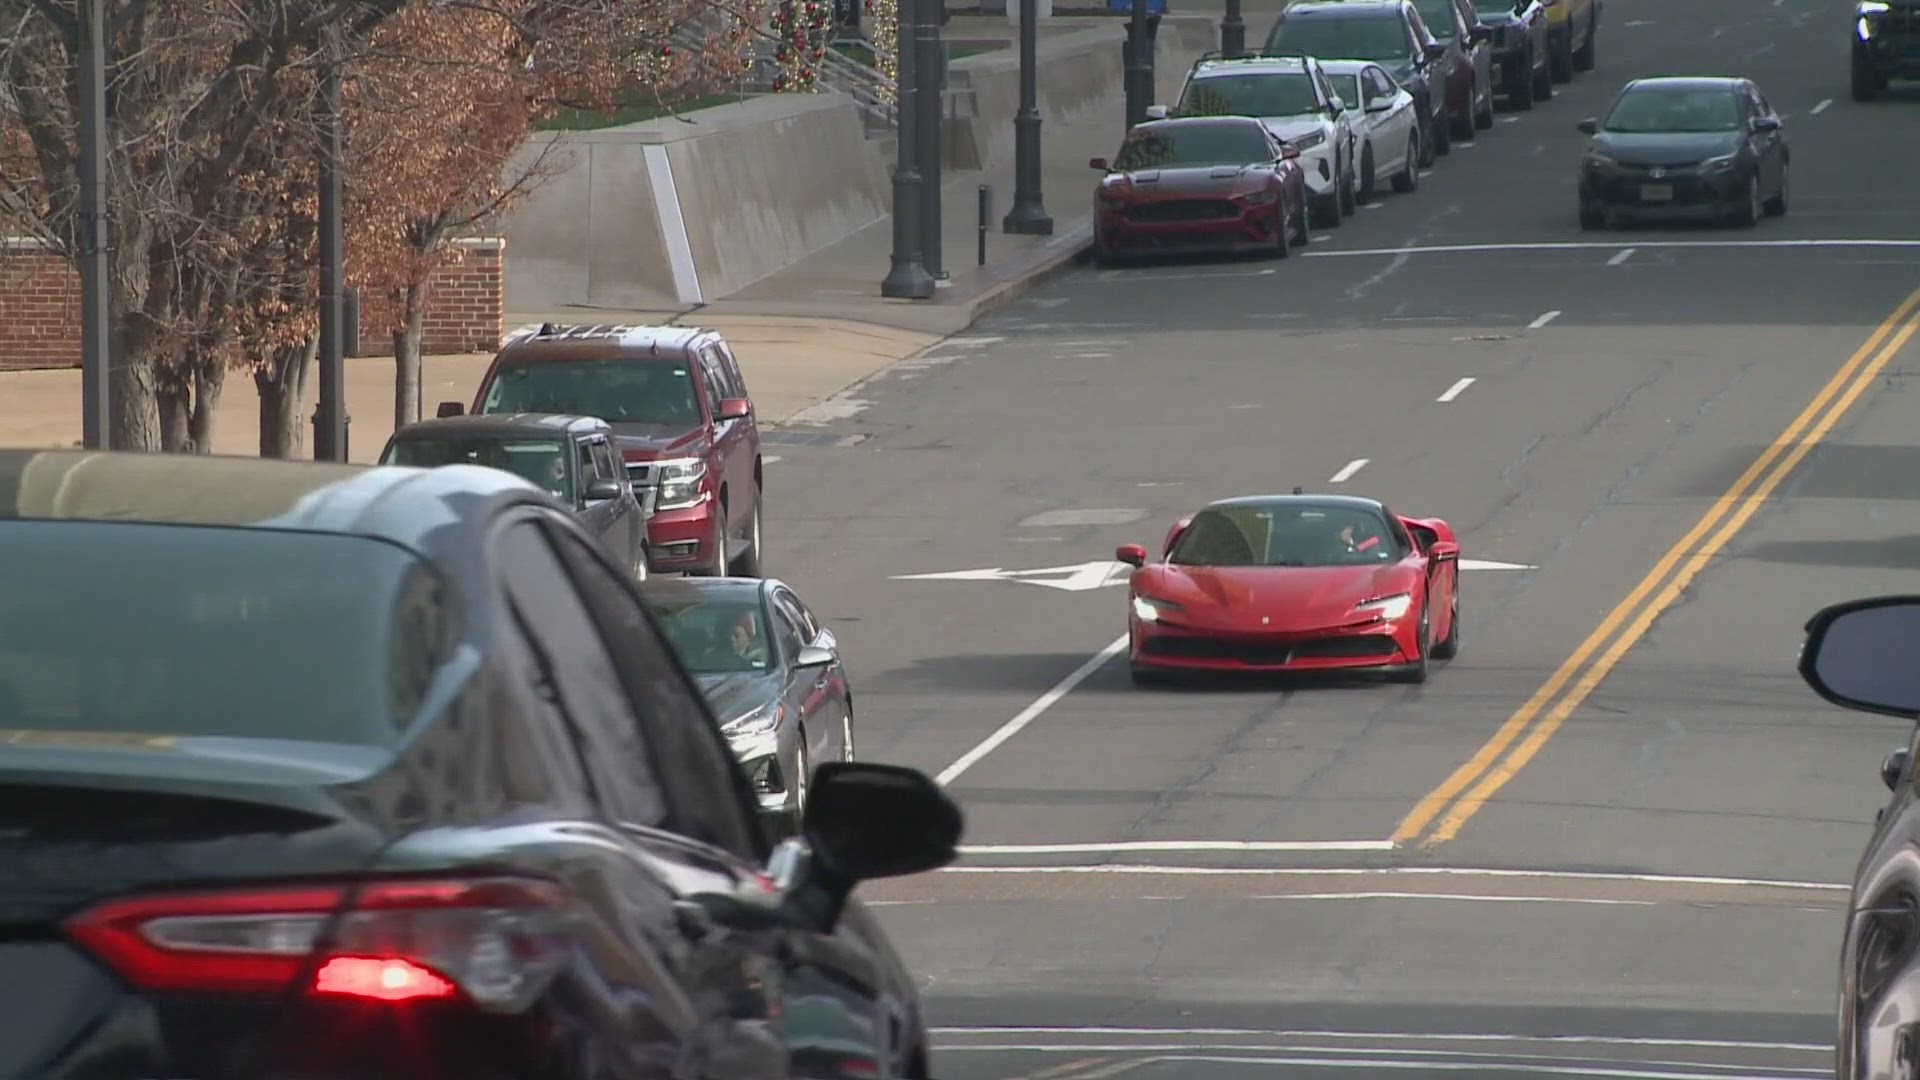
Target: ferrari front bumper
{"x":1157,"y":646}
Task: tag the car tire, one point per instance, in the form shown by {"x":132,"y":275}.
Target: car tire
{"x":716,"y":565}
{"x":1349,"y":191}
{"x":1583,"y":57}
{"x":1777,"y":205}
{"x":1560,"y":57}
{"x":1747,"y":212}
{"x":1324,"y":211}
{"x":1282,"y":235}
{"x":1416,"y":672}
{"x":799,"y":781}
{"x":747,"y":563}
{"x":1442,"y":135}
{"x":1520,"y":78}
{"x":1484,"y":118}
{"x":1542,"y":79}
{"x":1408,"y":179}
{"x":1463,"y":125}
{"x":1592,"y":218}
{"x":1449,"y":647}
{"x":1866,"y":82}
{"x":846,"y":733}
{"x":1369,"y":183}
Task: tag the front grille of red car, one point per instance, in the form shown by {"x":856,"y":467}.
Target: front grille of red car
{"x":1184,"y":210}
{"x":1198,"y":648}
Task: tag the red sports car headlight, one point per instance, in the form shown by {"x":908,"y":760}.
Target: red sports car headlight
{"x":1148,"y":609}
{"x":1386,"y":607}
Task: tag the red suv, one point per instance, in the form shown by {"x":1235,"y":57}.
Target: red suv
{"x":680,"y":413}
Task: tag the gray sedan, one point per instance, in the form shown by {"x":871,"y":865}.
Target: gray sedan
{"x":770,"y":672}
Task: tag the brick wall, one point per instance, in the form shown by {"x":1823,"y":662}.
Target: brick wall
{"x":40,"y":306}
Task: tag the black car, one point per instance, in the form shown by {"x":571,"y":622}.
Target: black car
{"x":771,"y":674}
{"x":1522,"y":68}
{"x":324,"y":771}
{"x":1391,"y":34}
{"x":1684,"y":148}
{"x":1886,"y":44}
{"x":575,"y":458}
{"x":1859,"y":655}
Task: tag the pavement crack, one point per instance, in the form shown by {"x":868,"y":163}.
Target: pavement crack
{"x":1177,"y":791}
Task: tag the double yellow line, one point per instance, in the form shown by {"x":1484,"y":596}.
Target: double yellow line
{"x":1439,"y":815}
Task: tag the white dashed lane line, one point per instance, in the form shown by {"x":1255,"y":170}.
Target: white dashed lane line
{"x":1543,"y":320}
{"x":1348,"y":470}
{"x":1456,"y":389}
{"x":1621,"y":256}
{"x":1822,"y":107}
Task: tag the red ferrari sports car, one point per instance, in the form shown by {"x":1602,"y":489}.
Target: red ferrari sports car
{"x":1295,"y":583}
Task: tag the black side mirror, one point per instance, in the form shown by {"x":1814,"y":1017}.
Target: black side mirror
{"x":1762,"y":124}
{"x":870,"y":821}
{"x":1589,"y":126}
{"x":1893,"y":768}
{"x":1859,"y":655}
{"x":1435,"y":52}
{"x":602,"y":490}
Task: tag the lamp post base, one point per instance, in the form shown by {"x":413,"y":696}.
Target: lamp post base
{"x":1028,"y":219}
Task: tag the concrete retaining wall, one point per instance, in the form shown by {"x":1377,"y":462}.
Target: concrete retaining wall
{"x":694,"y":209}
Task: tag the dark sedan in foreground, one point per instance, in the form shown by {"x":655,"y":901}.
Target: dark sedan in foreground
{"x":1216,"y":183}
{"x":1684,"y":148}
{"x":771,"y":674}
{"x":322,"y":772}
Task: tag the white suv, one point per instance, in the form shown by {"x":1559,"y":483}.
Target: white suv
{"x":1294,"y":98}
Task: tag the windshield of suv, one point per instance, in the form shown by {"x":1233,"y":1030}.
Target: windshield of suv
{"x":1343,"y":37}
{"x":1650,"y":109}
{"x":617,"y":391}
{"x":542,"y":461}
{"x":128,"y":629}
{"x":717,"y":634}
{"x":1273,"y":93}
{"x":1285,"y":535}
{"x":1192,"y":146}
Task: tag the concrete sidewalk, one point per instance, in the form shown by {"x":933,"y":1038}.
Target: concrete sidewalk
{"x":803,"y":335}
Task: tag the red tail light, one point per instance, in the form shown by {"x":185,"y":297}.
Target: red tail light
{"x":493,"y":942}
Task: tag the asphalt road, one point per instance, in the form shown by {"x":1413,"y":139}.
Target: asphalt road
{"x":1260,"y":879}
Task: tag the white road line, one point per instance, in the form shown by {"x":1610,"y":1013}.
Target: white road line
{"x":1372,"y":1063}
{"x":1456,"y":389}
{"x":1339,"y":1052}
{"x":1822,"y":107}
{"x":1456,"y":249}
{"x":1593,"y":1040}
{"x":1509,"y":119}
{"x":1179,"y":845}
{"x":1457,"y":896}
{"x":1395,"y":871}
{"x":1543,"y":320}
{"x":1318,"y":239}
{"x":1032,"y":712}
{"x":1346,"y":471}
{"x":1623,"y":255}
{"x":770,"y":459}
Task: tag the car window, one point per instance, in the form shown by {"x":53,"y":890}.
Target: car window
{"x":229,"y":632}
{"x":581,"y":677}
{"x":1348,"y":87}
{"x":1287,"y":535}
{"x":715,"y":633}
{"x":541,"y":461}
{"x":1192,"y":146}
{"x":1438,"y":15}
{"x":730,"y":370}
{"x":605,"y":466}
{"x":1275,"y":93}
{"x":619,"y":391}
{"x":1361,"y":37}
{"x":809,"y":624}
{"x":1381,"y":85}
{"x":1676,"y":109}
{"x":708,"y":795}
{"x":788,"y":628}
{"x":716,"y":383}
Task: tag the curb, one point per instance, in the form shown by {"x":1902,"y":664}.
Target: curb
{"x":1061,"y":254}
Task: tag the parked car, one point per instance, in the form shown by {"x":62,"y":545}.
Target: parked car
{"x":572,"y":457}
{"x":1470,"y":93}
{"x":1576,"y":26}
{"x":1676,"y":147}
{"x":681,"y":414}
{"x":1215,"y":183}
{"x":331,"y":771}
{"x":1886,"y":45}
{"x":1522,"y":69}
{"x":771,"y":674}
{"x":1391,"y":34}
{"x":1388,"y":124}
{"x":1859,"y":655}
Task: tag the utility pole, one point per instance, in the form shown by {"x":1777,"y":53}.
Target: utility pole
{"x":1138,"y":77}
{"x":907,"y":278}
{"x":330,"y":413}
{"x":96,"y":267}
{"x":1028,"y":215}
{"x":1233,"y":30}
{"x":930,"y":70}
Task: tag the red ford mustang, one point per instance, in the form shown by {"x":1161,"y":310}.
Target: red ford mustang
{"x":1295,"y":583}
{"x":1216,"y":183}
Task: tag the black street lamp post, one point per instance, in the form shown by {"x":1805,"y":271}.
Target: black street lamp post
{"x":907,"y":278}
{"x":96,"y":349}
{"x":1028,"y":215}
{"x":330,"y":413}
{"x":1233,"y":30}
{"x":930,"y":70}
{"x":1138,"y":77}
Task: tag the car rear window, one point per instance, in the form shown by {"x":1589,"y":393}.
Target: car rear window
{"x":617,"y":391}
{"x":138,"y":629}
{"x":542,"y":461}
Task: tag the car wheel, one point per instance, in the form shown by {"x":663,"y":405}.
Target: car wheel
{"x":1367,"y":179}
{"x":1543,"y":77}
{"x":1282,"y":234}
{"x":1778,"y":204}
{"x":1349,"y":185}
{"x":1520,"y":78}
{"x":717,"y":552}
{"x":1583,"y":56}
{"x":747,"y":563}
{"x":1408,"y":178}
{"x":799,"y":782}
{"x":1442,"y":135}
{"x":1592,"y":218}
{"x":1747,"y":211}
{"x":1560,"y":57}
{"x":1324,"y":212}
{"x":1449,"y":647}
{"x":1416,"y":672}
{"x":1463,"y":129}
{"x":846,"y":733}
{"x":1484,"y":118}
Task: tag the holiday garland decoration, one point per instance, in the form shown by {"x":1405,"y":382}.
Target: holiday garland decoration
{"x":803,"y":28}
{"x":883,"y":38}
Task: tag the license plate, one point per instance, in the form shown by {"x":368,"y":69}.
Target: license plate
{"x":1656,"y":192}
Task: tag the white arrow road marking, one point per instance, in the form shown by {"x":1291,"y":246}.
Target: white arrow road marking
{"x":1082,"y":577}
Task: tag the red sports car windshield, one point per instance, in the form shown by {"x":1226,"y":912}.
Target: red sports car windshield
{"x":1255,"y":535}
